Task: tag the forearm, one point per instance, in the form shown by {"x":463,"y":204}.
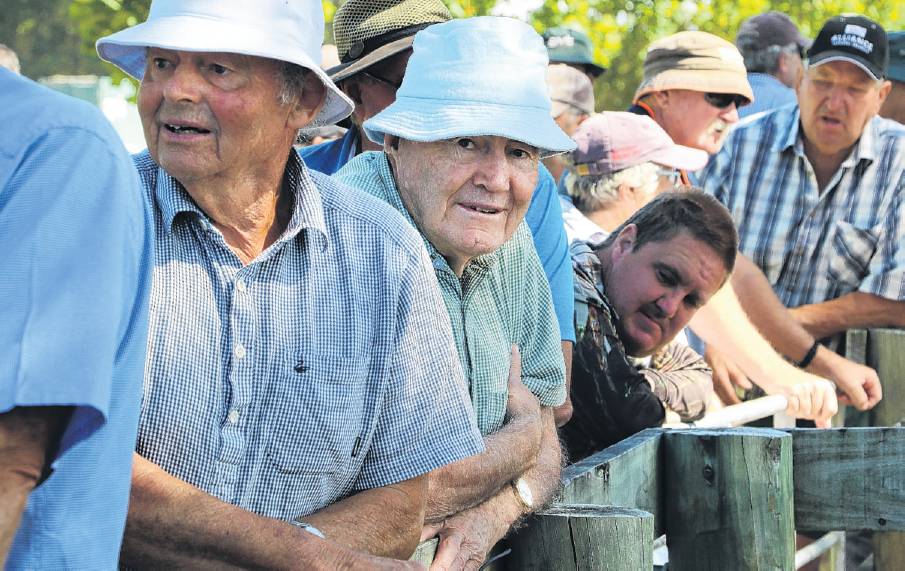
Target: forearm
{"x":508,"y":453}
{"x":382,"y":521}
{"x":723,"y":323}
{"x":504,"y":508}
{"x":25,"y":435}
{"x":563,"y":413}
{"x":174,"y":524}
{"x":681,"y":379}
{"x":766,"y":311}
{"x":855,"y":310}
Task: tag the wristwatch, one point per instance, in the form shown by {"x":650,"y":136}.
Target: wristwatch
{"x":523,"y":493}
{"x":308,"y":527}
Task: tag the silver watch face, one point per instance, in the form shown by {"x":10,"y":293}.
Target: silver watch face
{"x":524,"y":492}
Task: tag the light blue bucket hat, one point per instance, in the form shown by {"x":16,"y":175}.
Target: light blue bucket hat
{"x":473,"y":77}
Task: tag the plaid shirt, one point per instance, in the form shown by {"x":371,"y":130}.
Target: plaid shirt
{"x":815,"y":246}
{"x":502,"y":298}
{"x":322,"y":368}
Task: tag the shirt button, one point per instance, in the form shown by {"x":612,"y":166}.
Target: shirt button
{"x":233,"y":416}
{"x":239,"y":351}
{"x":240,"y":285}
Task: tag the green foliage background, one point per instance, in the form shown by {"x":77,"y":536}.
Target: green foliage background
{"x":57,"y":36}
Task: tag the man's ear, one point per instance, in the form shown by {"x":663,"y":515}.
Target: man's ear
{"x":309,"y":102}
{"x":660,"y":98}
{"x":883,"y":94}
{"x":624,"y":242}
{"x":390,"y":144}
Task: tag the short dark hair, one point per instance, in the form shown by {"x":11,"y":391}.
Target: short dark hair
{"x":692,"y":211}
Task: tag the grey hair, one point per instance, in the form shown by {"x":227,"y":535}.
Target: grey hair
{"x":595,"y":192}
{"x":765,"y":60}
{"x":292,"y":82}
{"x":9,"y":59}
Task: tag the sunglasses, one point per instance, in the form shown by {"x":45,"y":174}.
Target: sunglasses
{"x":724,"y":100}
{"x":378,"y":79}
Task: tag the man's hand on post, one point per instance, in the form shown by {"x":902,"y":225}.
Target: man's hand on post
{"x":465,"y":540}
{"x":859,"y":385}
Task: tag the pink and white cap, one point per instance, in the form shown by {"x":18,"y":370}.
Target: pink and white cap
{"x":614,"y":140}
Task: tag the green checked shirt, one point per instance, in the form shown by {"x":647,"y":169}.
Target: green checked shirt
{"x":502,"y":298}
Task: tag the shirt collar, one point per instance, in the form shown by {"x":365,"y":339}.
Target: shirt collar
{"x":385,"y":172}
{"x":307,"y":212}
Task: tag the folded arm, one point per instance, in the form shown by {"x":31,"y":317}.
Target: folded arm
{"x":174,"y":524}
{"x":467,"y":537}
{"x":856,"y":310}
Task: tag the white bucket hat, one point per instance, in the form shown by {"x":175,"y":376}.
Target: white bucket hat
{"x":474,"y":77}
{"x":285,"y":30}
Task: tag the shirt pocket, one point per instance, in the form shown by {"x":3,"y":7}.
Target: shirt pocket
{"x":315,"y":416}
{"x":852,"y":249}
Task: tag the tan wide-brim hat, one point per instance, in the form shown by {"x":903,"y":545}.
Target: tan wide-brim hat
{"x":696,"y":61}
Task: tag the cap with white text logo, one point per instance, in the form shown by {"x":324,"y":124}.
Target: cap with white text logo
{"x":854,"y":39}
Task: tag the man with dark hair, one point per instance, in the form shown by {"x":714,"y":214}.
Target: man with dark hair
{"x":634,"y":293}
{"x":773,"y":49}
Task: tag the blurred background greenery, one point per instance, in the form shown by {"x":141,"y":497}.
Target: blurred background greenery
{"x":57,"y":36}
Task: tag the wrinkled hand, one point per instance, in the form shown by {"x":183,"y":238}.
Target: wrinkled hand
{"x":333,"y":556}
{"x":859,"y":385}
{"x":726,"y":376}
{"x":465,"y":540}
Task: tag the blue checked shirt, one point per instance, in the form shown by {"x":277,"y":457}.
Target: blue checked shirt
{"x":324,"y":367}
{"x":502,"y":298}
{"x":816,"y":246}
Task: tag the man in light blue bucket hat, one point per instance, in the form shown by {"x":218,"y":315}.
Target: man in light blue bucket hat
{"x":302,"y":379}
{"x":462,"y":142}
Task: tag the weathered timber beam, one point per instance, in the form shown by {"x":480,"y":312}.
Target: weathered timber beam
{"x":626,"y":474}
{"x":728,"y":497}
{"x":584,"y":537}
{"x":848,"y":479}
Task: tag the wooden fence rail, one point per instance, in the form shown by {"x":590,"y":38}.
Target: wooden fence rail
{"x":730,"y":498}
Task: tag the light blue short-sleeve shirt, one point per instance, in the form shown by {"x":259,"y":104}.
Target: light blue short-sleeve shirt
{"x":76,"y":243}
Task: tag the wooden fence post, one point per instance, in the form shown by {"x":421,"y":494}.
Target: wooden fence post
{"x":728,"y":499}
{"x":584,"y":537}
{"x":886,"y":353}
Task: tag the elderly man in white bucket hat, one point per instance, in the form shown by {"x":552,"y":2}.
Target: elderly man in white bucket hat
{"x":462,"y":142}
{"x":301,"y":367}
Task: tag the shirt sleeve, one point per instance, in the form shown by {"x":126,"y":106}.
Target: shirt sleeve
{"x":543,"y":369}
{"x":886,"y":270}
{"x":72,"y":247}
{"x":544,"y":217}
{"x":681,"y":378}
{"x":428,"y":420}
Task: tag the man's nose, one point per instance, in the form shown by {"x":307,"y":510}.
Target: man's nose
{"x":669,"y":304}
{"x":730,"y":114}
{"x":182,"y":85}
{"x":492,"y":172}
